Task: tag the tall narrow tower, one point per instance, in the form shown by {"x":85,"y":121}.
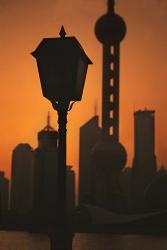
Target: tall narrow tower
{"x":45,"y":176}
{"x":144,"y":163}
{"x":110,"y":29}
{"x":22,"y":177}
{"x":144,"y":141}
{"x":109,"y":155}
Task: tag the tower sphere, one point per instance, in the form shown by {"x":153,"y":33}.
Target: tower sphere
{"x":109,"y":154}
{"x":110,"y":28}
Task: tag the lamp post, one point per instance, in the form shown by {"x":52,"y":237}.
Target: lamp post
{"x":62,"y":65}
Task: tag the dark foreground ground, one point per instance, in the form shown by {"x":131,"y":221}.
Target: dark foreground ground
{"x":152,"y":223}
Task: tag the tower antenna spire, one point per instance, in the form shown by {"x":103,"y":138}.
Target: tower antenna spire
{"x":48,"y":119}
{"x":110,"y":4}
{"x":95,"y":108}
{"x":48,"y":126}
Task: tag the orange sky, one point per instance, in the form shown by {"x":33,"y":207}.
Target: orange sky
{"x":23,"y":24}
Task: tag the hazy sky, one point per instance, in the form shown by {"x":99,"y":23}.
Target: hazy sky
{"x":23,"y":24}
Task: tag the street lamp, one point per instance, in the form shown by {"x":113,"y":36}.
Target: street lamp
{"x":62,"y":65}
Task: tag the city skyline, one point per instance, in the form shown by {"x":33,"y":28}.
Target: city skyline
{"x":141,"y":52}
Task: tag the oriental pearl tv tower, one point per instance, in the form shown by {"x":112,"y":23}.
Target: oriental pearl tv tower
{"x":109,"y":155}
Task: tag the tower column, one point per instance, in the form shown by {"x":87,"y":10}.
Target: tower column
{"x":109,"y":155}
{"x":116,"y":91}
{"x":110,"y":90}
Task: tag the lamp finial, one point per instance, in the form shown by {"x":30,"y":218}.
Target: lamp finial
{"x":62,"y":32}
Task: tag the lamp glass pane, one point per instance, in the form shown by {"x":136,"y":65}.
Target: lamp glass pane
{"x":80,"y":78}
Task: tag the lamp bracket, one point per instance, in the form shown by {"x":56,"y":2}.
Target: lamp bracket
{"x":63,"y":106}
{"x":71,"y":105}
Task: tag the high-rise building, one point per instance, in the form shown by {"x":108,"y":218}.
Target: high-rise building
{"x":89,"y":136}
{"x":21,"y":199}
{"x":45,"y":178}
{"x":4,"y":192}
{"x":144,"y":140}
{"x":45,"y":165}
{"x":70,"y":187}
{"x":144,"y":163}
{"x":109,"y":155}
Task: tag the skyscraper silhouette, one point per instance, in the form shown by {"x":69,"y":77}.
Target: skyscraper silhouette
{"x":89,"y":136}
{"x":45,"y":175}
{"x":45,"y":178}
{"x":4,"y":192}
{"x":144,"y":163}
{"x":21,"y":200}
{"x":70,"y":190}
{"x":109,"y":155}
